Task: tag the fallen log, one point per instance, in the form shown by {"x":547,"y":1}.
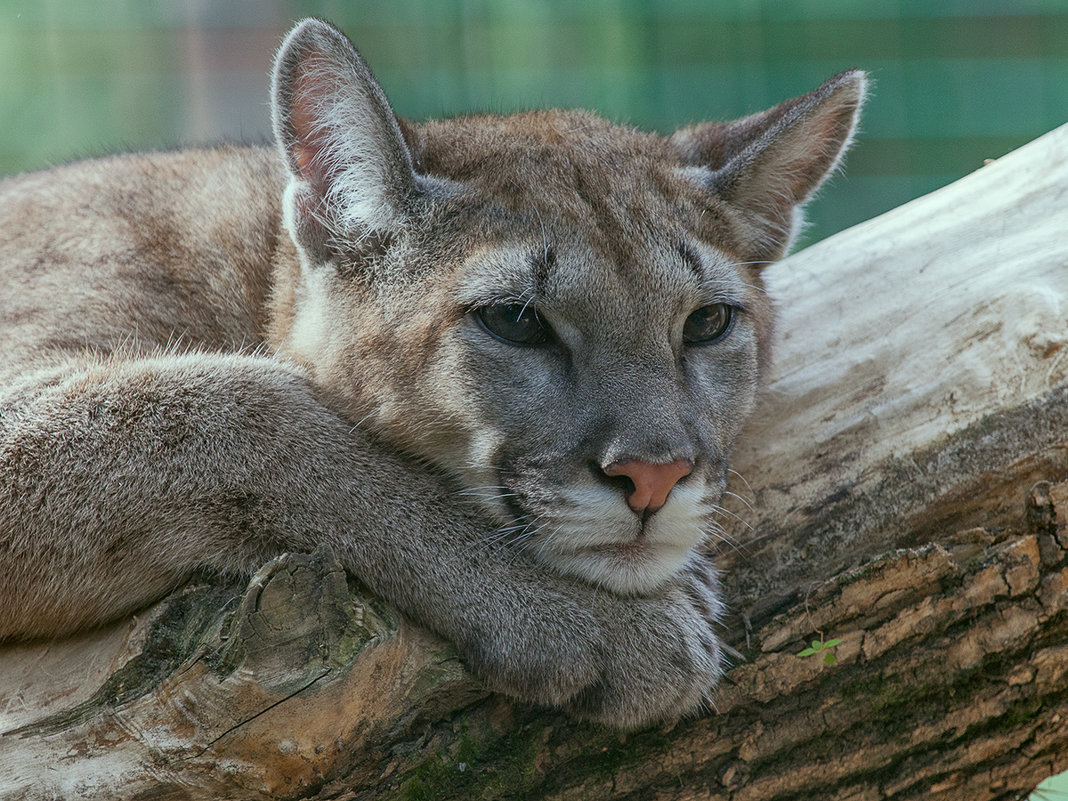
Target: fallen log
{"x":899,"y":516}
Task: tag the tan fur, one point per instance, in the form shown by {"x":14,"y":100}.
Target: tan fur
{"x":214,"y":356}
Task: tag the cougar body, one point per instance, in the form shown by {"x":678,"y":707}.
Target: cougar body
{"x":496,"y":363}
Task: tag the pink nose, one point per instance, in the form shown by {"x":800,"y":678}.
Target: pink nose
{"x":652,"y":482}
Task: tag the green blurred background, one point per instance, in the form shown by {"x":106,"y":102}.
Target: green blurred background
{"x":956,"y":81}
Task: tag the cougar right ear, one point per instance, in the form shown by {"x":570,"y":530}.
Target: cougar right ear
{"x":768,"y":164}
{"x":352,"y":176}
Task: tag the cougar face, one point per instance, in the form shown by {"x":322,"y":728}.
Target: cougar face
{"x":606,"y":438}
{"x":565,"y":338}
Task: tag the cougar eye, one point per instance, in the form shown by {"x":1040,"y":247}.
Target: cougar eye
{"x":515,"y":323}
{"x":707,"y":324}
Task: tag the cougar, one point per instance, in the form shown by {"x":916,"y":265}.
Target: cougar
{"x":495,"y":363}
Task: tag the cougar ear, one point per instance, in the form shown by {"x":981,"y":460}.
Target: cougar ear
{"x":768,"y":164}
{"x":351,"y":171}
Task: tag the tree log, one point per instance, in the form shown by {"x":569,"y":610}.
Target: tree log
{"x":903,"y":517}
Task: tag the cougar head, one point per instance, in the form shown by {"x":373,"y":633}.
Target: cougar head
{"x":564,"y":315}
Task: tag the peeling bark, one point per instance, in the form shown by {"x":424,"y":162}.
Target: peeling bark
{"x":907,"y":497}
{"x":228,"y":692}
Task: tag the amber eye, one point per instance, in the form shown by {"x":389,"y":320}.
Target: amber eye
{"x":515,"y":323}
{"x":707,"y":324}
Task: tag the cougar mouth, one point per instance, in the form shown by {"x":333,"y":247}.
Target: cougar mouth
{"x":587,"y":529}
{"x":632,"y":554}
{"x":637,"y":567}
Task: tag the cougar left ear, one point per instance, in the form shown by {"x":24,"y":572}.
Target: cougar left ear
{"x":351,"y":170}
{"x":768,"y":164}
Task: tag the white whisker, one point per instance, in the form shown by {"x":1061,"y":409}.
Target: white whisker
{"x":745,"y":501}
{"x":716,"y":509}
{"x":742,"y":479}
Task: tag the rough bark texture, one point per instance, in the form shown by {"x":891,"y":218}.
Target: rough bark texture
{"x":907,"y":497}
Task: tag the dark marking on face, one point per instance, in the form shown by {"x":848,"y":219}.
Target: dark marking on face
{"x":693,"y":261}
{"x":542,"y":264}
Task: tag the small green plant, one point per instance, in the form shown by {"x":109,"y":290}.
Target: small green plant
{"x":821,"y":647}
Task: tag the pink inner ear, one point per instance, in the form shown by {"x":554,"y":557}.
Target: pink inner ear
{"x":308,"y":131}
{"x":828,"y":132}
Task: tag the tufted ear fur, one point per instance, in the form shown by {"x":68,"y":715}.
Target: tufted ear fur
{"x":352,"y":176}
{"x":766,"y":165}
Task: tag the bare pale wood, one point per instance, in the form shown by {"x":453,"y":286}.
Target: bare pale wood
{"x":921,"y":355}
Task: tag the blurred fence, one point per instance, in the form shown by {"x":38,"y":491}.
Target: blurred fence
{"x":956,"y":82}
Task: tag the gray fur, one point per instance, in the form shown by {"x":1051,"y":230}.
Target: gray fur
{"x":216,"y":356}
